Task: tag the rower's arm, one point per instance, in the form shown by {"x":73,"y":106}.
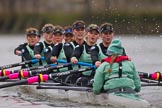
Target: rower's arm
{"x":38,"y":48}
{"x":52,"y":57}
{"x":94,"y":54}
{"x":20,"y":48}
{"x":56,"y":49}
{"x":77,"y":51}
{"x":68,"y":48}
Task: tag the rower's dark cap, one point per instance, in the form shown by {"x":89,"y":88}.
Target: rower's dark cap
{"x":78,"y":24}
{"x":106,"y":28}
{"x":47,"y":29}
{"x":58,"y":30}
{"x":68,"y":31}
{"x":32,"y":32}
{"x":93,"y":27}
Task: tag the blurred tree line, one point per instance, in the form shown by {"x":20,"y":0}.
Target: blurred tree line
{"x":127,"y":16}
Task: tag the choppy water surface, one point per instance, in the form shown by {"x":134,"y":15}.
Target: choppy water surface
{"x":145,"y":52}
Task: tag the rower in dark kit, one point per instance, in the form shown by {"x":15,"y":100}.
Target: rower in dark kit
{"x":83,"y":52}
{"x":26,"y":50}
{"x":66,"y":49}
{"x":79,"y":32}
{"x":59,"y":50}
{"x":100,"y":51}
{"x":47,"y":31}
{"x":57,"y":37}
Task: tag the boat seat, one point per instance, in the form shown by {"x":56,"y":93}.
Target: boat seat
{"x":90,"y":83}
{"x":71,"y":79}
{"x":82,"y":81}
{"x":57,"y":79}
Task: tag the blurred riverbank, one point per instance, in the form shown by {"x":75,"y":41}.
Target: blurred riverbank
{"x":128,"y":17}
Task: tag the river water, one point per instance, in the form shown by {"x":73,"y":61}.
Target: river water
{"x":145,"y":52}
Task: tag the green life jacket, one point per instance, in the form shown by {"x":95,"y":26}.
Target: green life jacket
{"x":101,"y":55}
{"x":85,"y":57}
{"x":62,"y":56}
{"x":75,"y":67}
{"x":55,"y":70}
{"x":31,"y":52}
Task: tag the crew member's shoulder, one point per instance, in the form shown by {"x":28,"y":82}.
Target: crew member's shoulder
{"x":23,"y":44}
{"x":58,"y":44}
{"x":94,"y":47}
{"x":67,"y":44}
{"x":47,"y":49}
{"x":38,"y":43}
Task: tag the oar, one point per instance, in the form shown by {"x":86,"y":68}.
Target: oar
{"x":153,"y":76}
{"x":25,"y":73}
{"x":43,"y":78}
{"x":6,"y":72}
{"x":152,"y":84}
{"x":79,"y":63}
{"x":20,"y":63}
{"x":89,"y":89}
{"x":148,"y":80}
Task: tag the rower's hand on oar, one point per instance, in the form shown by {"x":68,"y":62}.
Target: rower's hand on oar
{"x":97,"y":63}
{"x":53,"y":59}
{"x":18,"y":52}
{"x":129,"y":59}
{"x":37,"y":56}
{"x":74,"y":60}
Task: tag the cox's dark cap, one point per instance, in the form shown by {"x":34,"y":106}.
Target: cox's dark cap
{"x":106,"y":28}
{"x":78,"y":24}
{"x":47,"y":29}
{"x":93,"y":27}
{"x":32,"y":32}
{"x":58,"y":30}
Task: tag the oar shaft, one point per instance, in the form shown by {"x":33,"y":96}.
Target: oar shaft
{"x":79,"y":63}
{"x":7,"y":72}
{"x":49,"y":68}
{"x":66,"y":88}
{"x":70,"y":72}
{"x":151,"y":84}
{"x":36,"y":67}
{"x":24,"y":74}
{"x":153,"y":76}
{"x":31,"y":80}
{"x":18,"y":64}
{"x":13,"y":84}
{"x":21,"y":74}
{"x":3,"y":78}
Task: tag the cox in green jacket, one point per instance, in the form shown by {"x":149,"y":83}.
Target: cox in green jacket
{"x":110,"y":79}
